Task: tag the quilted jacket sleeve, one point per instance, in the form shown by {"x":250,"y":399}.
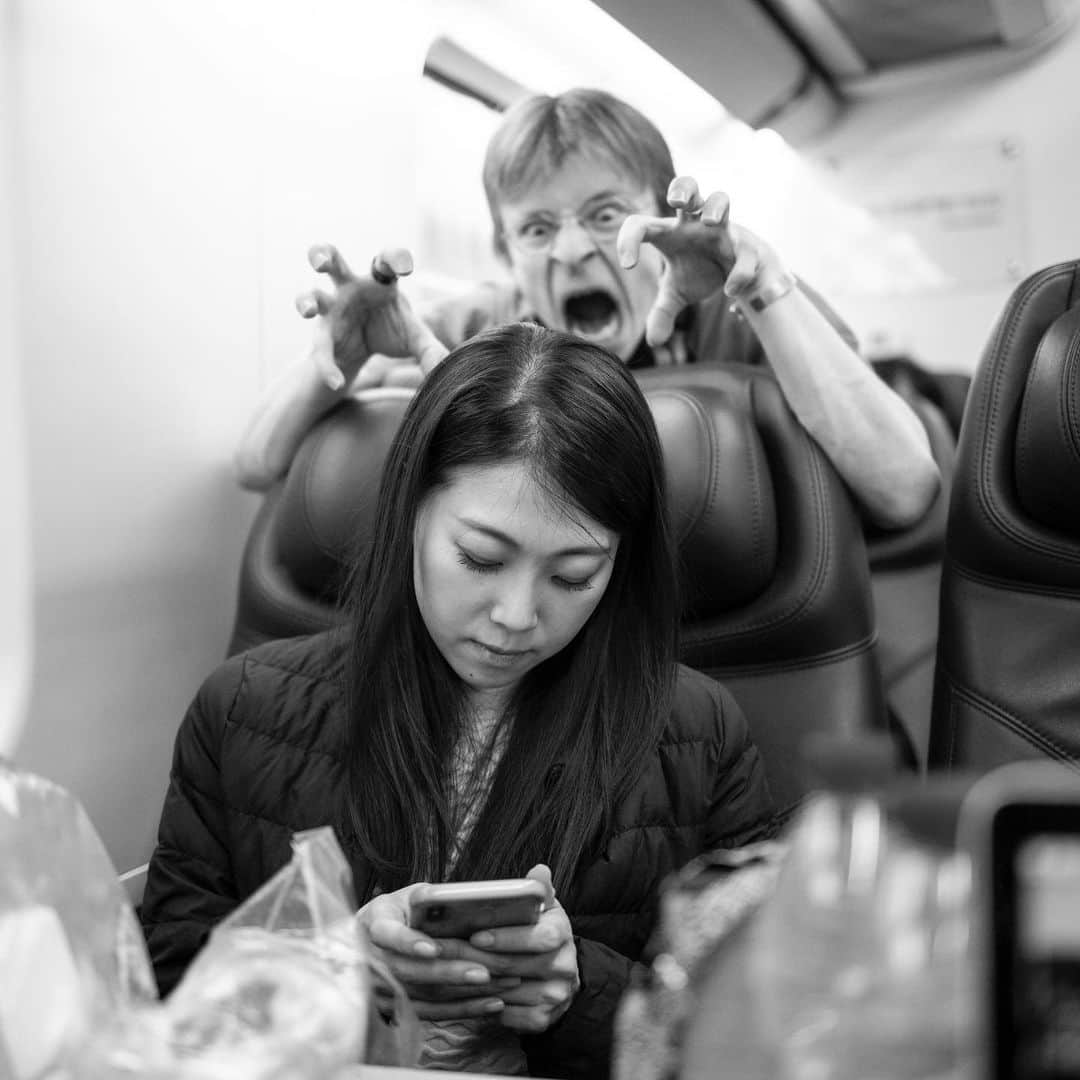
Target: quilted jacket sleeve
{"x":189,"y":885}
{"x":579,"y":1044}
{"x":739,"y":811}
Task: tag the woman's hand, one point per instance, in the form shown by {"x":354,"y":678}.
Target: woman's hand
{"x":542,"y":958}
{"x":365,"y":317}
{"x":703,"y":252}
{"x":445,"y":980}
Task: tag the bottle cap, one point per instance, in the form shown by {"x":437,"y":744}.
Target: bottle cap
{"x":850,"y":762}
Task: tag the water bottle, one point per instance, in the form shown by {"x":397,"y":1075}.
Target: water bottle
{"x":858,"y":960}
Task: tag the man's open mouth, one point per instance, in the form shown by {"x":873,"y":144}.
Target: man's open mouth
{"x":593,"y":315}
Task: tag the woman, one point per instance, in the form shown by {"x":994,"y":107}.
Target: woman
{"x":505,"y":701}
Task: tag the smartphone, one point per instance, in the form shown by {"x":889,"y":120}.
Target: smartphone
{"x":1021,"y":824}
{"x":459,"y":909}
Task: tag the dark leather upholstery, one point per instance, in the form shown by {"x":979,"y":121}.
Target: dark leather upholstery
{"x":905,"y":581}
{"x":292,"y":569}
{"x":775,"y":579}
{"x":783,"y":616}
{"x":1007,"y":684}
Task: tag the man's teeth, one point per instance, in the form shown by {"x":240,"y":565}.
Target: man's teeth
{"x":593,"y":331}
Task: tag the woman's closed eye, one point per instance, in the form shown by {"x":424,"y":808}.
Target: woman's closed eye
{"x":480,"y":566}
{"x":490,"y":566}
{"x":571,"y":585}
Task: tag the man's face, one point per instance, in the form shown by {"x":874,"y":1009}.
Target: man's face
{"x":560,"y":242}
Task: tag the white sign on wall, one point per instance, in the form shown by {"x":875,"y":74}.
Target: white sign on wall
{"x":958,"y":209}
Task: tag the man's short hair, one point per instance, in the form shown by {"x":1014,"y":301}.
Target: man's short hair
{"x":539,"y":133}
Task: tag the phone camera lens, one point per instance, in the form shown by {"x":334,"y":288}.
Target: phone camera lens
{"x":436,"y":912}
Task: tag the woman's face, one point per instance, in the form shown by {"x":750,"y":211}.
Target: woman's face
{"x":504,"y":578}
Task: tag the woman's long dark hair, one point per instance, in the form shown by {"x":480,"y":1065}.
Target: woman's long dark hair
{"x":585,"y":720}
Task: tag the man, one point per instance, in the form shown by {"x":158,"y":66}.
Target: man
{"x":601,"y":239}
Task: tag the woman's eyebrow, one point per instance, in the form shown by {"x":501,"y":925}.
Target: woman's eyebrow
{"x":488,"y":530}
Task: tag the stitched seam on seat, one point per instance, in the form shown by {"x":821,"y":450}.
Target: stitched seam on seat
{"x":307,"y":500}
{"x":802,"y":664}
{"x":1004,"y":718}
{"x":693,"y":519}
{"x":273,"y":587}
{"x":953,"y":725}
{"x":1005,"y":335}
{"x":1072,"y":435}
{"x":817,"y":577}
{"x":1009,"y":585}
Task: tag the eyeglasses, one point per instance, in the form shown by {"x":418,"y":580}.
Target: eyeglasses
{"x":536,"y":234}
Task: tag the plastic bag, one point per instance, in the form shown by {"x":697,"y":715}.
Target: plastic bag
{"x":704,"y":907}
{"x":282,"y":989}
{"x":71,"y":951}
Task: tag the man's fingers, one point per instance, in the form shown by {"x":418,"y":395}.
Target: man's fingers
{"x":374,"y":372}
{"x":391,"y":263}
{"x":683,"y":195}
{"x":716,"y":209}
{"x":636,"y":229}
{"x":328,"y":260}
{"x":743,"y":272}
{"x":313,"y":303}
{"x":426,"y":347}
{"x":408,"y":375}
{"x":660,"y":322}
{"x":431,"y":352}
{"x":322,"y":356}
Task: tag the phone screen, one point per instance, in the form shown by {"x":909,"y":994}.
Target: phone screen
{"x":1037,"y":910}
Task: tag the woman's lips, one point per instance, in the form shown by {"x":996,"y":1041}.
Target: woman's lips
{"x":499,"y":657}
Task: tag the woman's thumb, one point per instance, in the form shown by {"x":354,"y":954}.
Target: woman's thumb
{"x":542,"y":873}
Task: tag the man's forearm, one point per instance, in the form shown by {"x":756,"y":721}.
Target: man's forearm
{"x":875,"y":441}
{"x":288,"y":410}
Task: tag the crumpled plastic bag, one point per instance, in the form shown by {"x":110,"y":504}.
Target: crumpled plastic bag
{"x":703,"y":906}
{"x":285,"y":989}
{"x":72,"y":955}
{"x":281,"y":991}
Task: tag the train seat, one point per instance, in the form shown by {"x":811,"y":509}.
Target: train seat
{"x":1007,"y":683}
{"x":905,"y":581}
{"x":776,"y":599}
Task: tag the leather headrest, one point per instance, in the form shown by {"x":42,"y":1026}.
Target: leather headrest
{"x":1047,"y":453}
{"x":721,"y":496}
{"x":329,"y":497}
{"x":719,"y":483}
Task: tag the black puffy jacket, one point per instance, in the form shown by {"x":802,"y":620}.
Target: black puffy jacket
{"x":257,"y":759}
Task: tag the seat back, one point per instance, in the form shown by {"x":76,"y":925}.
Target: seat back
{"x":905,"y":581}
{"x":774,"y":576}
{"x":776,"y":595}
{"x":293,"y":567}
{"x":1007,"y":681}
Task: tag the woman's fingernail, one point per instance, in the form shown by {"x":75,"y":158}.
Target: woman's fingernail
{"x":477,"y":975}
{"x":555,"y":995}
{"x":494,"y":1005}
{"x":483,"y":939}
{"x":426,"y":948}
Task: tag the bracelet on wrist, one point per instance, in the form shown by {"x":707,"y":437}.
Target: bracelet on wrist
{"x":775,"y":289}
